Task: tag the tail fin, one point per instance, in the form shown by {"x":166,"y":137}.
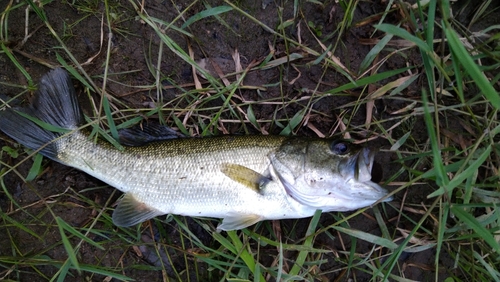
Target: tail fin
{"x":55,"y":103}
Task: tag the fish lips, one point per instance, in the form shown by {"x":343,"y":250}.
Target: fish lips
{"x":360,"y":168}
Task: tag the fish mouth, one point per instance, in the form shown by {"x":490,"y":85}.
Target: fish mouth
{"x":347,"y":187}
{"x":360,"y":168}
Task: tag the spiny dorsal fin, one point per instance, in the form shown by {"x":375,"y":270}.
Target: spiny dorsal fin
{"x":147,"y":133}
{"x":130,"y":212}
{"x":244,"y":175}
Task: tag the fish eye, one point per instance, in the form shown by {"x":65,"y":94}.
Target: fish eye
{"x":339,"y":147}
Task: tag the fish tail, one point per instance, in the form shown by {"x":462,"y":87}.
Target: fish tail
{"x":54,"y":110}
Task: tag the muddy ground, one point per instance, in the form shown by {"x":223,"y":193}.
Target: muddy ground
{"x":134,"y":50}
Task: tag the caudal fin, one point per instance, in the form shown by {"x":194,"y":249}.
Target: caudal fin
{"x":54,"y":104}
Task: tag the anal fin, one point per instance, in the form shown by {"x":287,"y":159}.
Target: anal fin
{"x":130,"y":212}
{"x":238,"y":221}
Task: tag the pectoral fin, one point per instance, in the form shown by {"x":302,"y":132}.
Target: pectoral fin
{"x":238,"y":221}
{"x":130,"y":212}
{"x":246,"y":176}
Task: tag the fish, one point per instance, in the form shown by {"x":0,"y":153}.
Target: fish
{"x":241,"y":179}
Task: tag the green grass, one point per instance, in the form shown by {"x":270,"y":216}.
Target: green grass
{"x":439,"y":125}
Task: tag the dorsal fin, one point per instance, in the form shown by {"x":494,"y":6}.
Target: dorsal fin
{"x":144,"y":134}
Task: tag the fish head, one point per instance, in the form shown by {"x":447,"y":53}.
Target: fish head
{"x":331,"y":175}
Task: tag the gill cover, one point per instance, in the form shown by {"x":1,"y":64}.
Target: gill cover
{"x":327,"y":175}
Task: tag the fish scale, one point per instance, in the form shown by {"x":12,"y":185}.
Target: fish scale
{"x":241,"y":179}
{"x":182,"y":176}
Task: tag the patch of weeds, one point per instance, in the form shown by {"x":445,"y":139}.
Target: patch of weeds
{"x":12,"y":152}
{"x":86,"y":6}
{"x":317,"y":28}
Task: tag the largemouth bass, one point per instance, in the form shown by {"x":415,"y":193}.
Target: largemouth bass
{"x":241,"y":179}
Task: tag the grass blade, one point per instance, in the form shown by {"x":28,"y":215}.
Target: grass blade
{"x":478,"y":228}
{"x":459,"y":178}
{"x":472,"y":69}
{"x":367,"y":237}
{"x":206,"y":13}
{"x":13,"y":59}
{"x":245,"y":255}
{"x":35,"y":168}
{"x":301,"y":257}
{"x":67,"y":245}
{"x":391,"y":29}
{"x":374,"y":52}
{"x":441,"y":177}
